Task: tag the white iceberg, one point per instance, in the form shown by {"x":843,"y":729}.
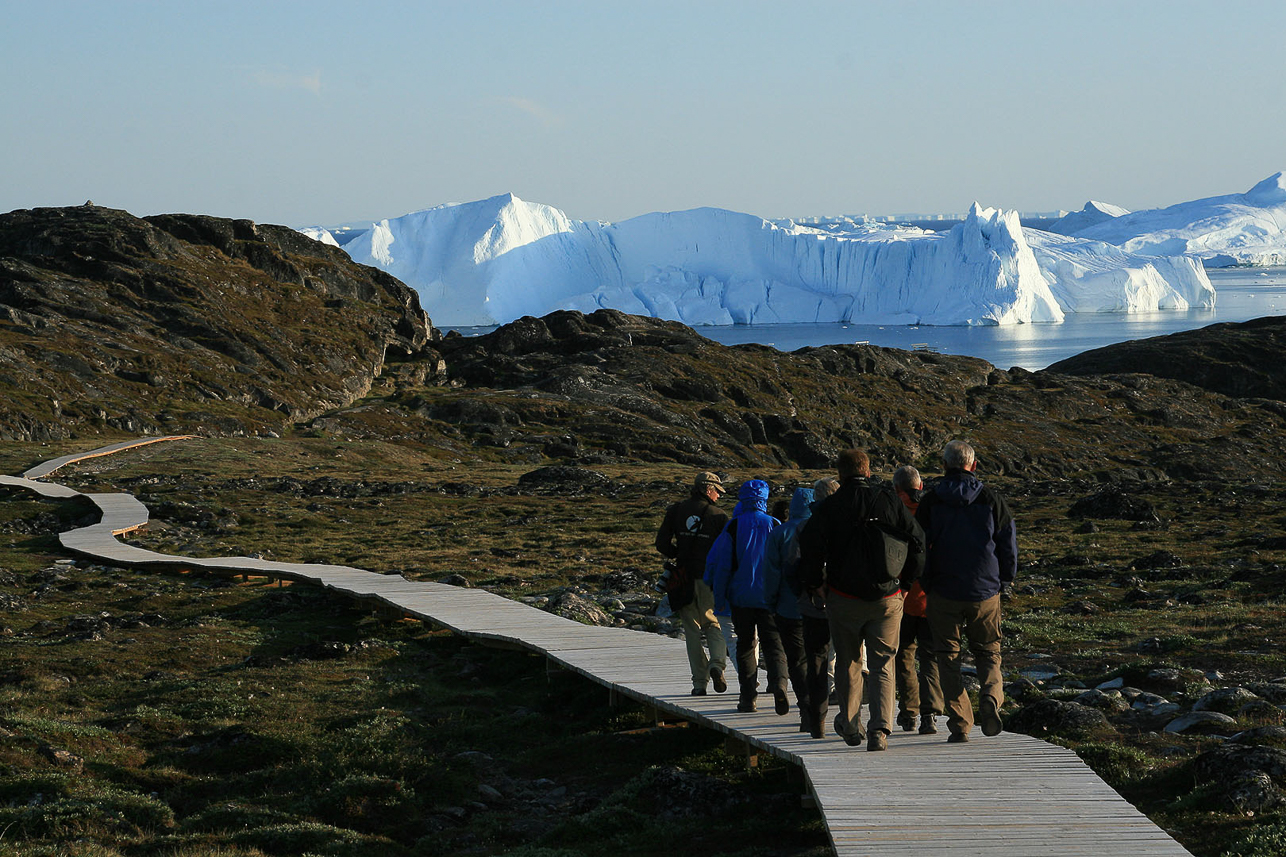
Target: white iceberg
{"x":492,"y":261}
{"x":1237,"y":229}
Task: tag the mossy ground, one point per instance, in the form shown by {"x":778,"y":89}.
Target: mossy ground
{"x":221,"y":730}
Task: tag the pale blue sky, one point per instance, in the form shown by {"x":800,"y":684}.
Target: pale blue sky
{"x":322,"y":112}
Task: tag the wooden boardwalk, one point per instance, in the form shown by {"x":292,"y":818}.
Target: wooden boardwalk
{"x":1007,"y":796}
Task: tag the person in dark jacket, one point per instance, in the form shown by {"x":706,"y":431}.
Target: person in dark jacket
{"x":781,"y":583}
{"x":862,"y":608}
{"x":917,"y":693}
{"x":972,"y":551}
{"x":689,"y":529}
{"x":735,"y":571}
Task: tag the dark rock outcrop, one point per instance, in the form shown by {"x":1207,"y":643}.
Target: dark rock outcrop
{"x":186,"y":323}
{"x":1236,"y":359}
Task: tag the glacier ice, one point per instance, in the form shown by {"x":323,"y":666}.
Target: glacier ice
{"x":1235,"y":229}
{"x":495,"y":260}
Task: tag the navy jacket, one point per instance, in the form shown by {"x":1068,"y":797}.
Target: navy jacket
{"x":971,"y":536}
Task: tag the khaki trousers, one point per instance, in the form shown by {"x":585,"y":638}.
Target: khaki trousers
{"x":699,"y":623}
{"x":980,"y":621}
{"x":875,"y":623}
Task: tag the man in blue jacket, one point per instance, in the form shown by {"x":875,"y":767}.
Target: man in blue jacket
{"x":972,"y":550}
{"x":735,"y":571}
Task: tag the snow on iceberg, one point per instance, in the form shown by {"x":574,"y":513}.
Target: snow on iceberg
{"x":495,"y":260}
{"x":1093,"y":213}
{"x":1237,"y":229}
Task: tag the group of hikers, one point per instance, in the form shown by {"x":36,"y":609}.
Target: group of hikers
{"x":876,"y":575}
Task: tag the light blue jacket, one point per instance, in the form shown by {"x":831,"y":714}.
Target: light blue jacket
{"x":782,"y":554}
{"x":744,"y":538}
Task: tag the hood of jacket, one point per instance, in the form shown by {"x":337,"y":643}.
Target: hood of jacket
{"x":958,"y":488}
{"x":801,"y":504}
{"x":753,"y":494}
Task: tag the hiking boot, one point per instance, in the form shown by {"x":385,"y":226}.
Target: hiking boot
{"x":989,"y":716}
{"x":957,"y":738}
{"x":907,"y":721}
{"x":716,"y":678}
{"x":747,"y":706}
{"x":928,"y":724}
{"x":698,"y":691}
{"x":852,"y":739}
{"x":879,"y":741}
{"x":780,"y":702}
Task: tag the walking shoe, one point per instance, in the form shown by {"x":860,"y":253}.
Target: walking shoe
{"x":852,"y":739}
{"x":716,"y":677}
{"x":928,"y":725}
{"x":989,"y":716}
{"x":780,"y":702}
{"x":819,"y":729}
{"x":907,"y":721}
{"x":747,"y":705}
{"x":698,"y":691}
{"x":879,"y":741}
{"x":957,"y":738}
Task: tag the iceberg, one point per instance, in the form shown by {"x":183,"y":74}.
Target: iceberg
{"x":1236,"y":229}
{"x":496,"y":260}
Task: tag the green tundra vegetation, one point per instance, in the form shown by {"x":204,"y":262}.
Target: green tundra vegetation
{"x":149,"y":713}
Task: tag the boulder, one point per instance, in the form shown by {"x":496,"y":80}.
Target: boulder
{"x":1054,"y":717}
{"x":1202,"y":723}
{"x":1226,"y":700}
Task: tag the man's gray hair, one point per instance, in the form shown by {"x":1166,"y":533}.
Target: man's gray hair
{"x":958,"y":455}
{"x":824,"y":487}
{"x":907,"y":478}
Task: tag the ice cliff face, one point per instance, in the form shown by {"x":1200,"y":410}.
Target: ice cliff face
{"x":1237,"y":229}
{"x":498,"y":259}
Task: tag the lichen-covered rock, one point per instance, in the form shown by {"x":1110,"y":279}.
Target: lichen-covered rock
{"x":1055,"y":717}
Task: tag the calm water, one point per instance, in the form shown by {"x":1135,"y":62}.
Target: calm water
{"x":1243,"y":293}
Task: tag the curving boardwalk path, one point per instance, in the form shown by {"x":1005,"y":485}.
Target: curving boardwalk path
{"x":1007,"y":796}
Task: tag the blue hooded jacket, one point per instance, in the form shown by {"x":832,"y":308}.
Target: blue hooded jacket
{"x":782,"y":555}
{"x":743,"y":540}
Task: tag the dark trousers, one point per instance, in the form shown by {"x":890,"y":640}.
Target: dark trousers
{"x":756,"y":624}
{"x":817,"y":664}
{"x":792,"y":642}
{"x":917,"y":693}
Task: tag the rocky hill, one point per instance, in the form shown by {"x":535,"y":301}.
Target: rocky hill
{"x":186,"y":323}
{"x":1242,"y":359}
{"x":180,"y":323}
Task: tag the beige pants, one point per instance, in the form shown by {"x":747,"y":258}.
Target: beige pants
{"x":980,"y":621}
{"x":876,"y":624}
{"x":699,"y":623}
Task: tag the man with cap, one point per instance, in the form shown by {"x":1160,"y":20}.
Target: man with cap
{"x":685,"y":536}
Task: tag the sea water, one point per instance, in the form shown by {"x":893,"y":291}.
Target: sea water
{"x":1241,"y":294}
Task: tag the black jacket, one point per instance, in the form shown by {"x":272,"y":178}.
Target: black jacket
{"x":824,"y":540}
{"x":689,"y":529}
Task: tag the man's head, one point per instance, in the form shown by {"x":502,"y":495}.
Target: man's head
{"x":709,"y":485}
{"x":853,"y":462}
{"x":958,"y":455}
{"x":824,"y":487}
{"x":907,"y":479}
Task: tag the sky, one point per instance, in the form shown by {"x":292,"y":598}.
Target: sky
{"x":322,"y":113}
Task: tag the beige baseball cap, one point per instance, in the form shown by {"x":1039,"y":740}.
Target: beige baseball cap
{"x":709,"y":480}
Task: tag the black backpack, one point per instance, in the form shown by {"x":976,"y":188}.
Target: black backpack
{"x":878,"y":552}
